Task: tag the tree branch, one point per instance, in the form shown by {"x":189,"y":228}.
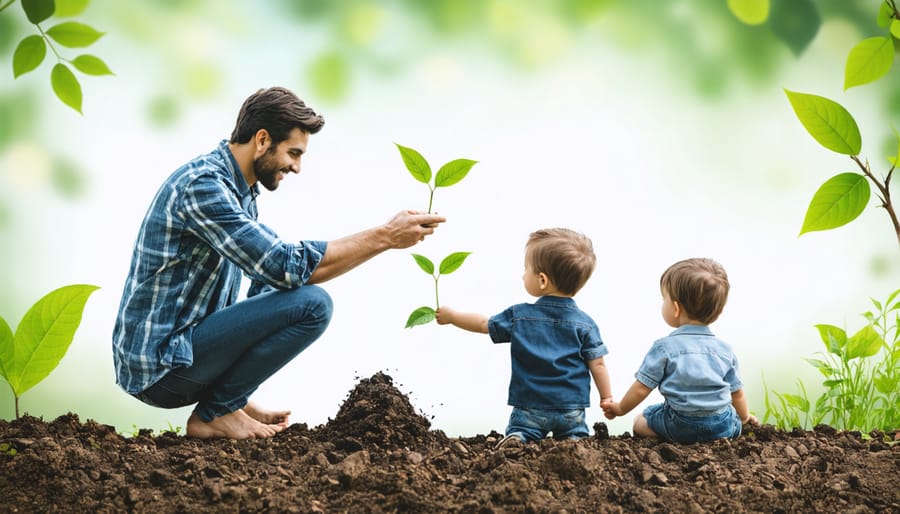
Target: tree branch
{"x":884,"y":188}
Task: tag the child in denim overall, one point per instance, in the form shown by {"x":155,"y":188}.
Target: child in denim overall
{"x":555,"y":347}
{"x":696,"y":372}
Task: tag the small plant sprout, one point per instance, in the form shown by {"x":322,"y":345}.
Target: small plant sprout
{"x":448,"y":175}
{"x":42,"y":338}
{"x":451,"y":263}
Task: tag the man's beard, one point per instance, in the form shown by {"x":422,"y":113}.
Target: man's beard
{"x":266,"y":170}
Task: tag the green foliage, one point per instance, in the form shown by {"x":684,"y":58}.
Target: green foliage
{"x":42,"y":338}
{"x":31,"y":51}
{"x":861,"y":377}
{"x":448,"y":265}
{"x":449,"y":174}
{"x":751,"y":12}
{"x":842,"y":198}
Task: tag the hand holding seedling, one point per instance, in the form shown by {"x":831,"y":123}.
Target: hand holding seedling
{"x":407,"y":228}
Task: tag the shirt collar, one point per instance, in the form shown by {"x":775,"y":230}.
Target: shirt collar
{"x":555,"y":300}
{"x":236,"y":175}
{"x":700,"y":330}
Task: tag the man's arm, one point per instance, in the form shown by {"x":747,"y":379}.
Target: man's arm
{"x":402,"y":231}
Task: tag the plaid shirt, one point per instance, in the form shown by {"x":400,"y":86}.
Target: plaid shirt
{"x":198,"y":235}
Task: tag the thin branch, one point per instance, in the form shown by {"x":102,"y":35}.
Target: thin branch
{"x":7,"y":4}
{"x":885,"y":195}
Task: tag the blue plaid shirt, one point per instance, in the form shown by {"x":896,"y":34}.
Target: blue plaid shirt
{"x":198,"y":235}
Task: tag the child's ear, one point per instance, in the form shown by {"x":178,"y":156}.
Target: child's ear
{"x":676,"y":309}
{"x":544,"y":280}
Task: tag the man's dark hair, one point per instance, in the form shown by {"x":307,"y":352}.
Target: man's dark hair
{"x":277,"y":110}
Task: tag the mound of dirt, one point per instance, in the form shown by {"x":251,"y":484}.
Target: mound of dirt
{"x":379,"y":455}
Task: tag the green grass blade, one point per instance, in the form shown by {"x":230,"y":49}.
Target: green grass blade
{"x":44,"y":335}
{"x":7,"y":349}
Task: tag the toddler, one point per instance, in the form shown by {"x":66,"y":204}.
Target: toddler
{"x":696,"y":372}
{"x":555,"y":347}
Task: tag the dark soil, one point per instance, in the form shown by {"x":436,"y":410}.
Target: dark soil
{"x":379,"y":455}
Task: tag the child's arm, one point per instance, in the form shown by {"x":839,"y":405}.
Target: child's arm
{"x":470,"y":321}
{"x":601,"y":379}
{"x":635,"y":395}
{"x":740,"y":405}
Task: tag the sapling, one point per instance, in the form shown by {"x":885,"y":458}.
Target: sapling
{"x":451,"y":263}
{"x":448,"y":175}
{"x":42,"y":338}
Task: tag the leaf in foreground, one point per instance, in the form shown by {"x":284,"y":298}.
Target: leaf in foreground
{"x":29,"y":54}
{"x":453,"y":172}
{"x":750,"y":12}
{"x":420,"y":316}
{"x":424,"y":263}
{"x":452,"y":262}
{"x":868,"y":61}
{"x":66,"y":86}
{"x":44,"y":335}
{"x":416,"y":164}
{"x":6,"y":346}
{"x":91,"y":65}
{"x":38,"y":10}
{"x":73,"y":34}
{"x":827,"y":122}
{"x":837,"y":202}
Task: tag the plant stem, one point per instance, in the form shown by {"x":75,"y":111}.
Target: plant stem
{"x":17,"y":406}
{"x":884,"y":190}
{"x":6,"y":5}
{"x":437,"y":301}
{"x":430,"y":198}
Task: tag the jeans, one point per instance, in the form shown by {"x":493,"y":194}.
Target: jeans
{"x":238,"y":348}
{"x":535,"y":424}
{"x":669,"y":424}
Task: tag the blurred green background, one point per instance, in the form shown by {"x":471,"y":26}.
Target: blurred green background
{"x":660,"y":129}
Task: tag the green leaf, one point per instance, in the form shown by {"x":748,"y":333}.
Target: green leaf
{"x":7,"y":349}
{"x":38,"y":10}
{"x":868,"y":61}
{"x":44,"y":335}
{"x":895,"y":161}
{"x":66,"y":86}
{"x":864,"y":343}
{"x":885,"y":385}
{"x":420,"y":316}
{"x":840,"y":200}
{"x":73,"y":34}
{"x":795,"y":23}
{"x":835,"y":338}
{"x":827,"y":122}
{"x":29,"y":54}
{"x":884,"y":15}
{"x":453,"y":172}
{"x":750,"y":12}
{"x":424,"y":263}
{"x":822,"y":366}
{"x":452,"y":262}
{"x":797,"y":401}
{"x":895,"y":28}
{"x":416,"y":164}
{"x":67,"y":8}
{"x":329,"y":76}
{"x":91,"y":65}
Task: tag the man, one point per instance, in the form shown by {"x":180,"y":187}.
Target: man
{"x":181,"y":336}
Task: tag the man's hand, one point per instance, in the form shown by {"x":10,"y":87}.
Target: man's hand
{"x":407,"y":228}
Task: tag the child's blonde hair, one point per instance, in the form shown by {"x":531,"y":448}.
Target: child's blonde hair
{"x":565,"y":256}
{"x":699,"y":285}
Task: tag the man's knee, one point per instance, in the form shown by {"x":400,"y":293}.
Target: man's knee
{"x":317,"y":303}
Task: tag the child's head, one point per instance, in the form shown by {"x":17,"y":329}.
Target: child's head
{"x":700,"y":286}
{"x":566,"y":258}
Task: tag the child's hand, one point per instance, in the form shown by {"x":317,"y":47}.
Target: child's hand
{"x":751,"y":420}
{"x":610,"y":408}
{"x":444,"y":315}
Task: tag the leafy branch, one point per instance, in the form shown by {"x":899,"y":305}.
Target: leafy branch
{"x":451,"y":263}
{"x":448,"y":175}
{"x":32,"y":50}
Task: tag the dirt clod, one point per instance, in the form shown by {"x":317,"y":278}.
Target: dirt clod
{"x":379,"y":455}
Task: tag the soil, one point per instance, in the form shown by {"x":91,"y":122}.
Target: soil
{"x":379,"y":454}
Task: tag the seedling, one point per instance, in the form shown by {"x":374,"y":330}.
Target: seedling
{"x":449,"y":174}
{"x":451,"y":263}
{"x":42,"y":338}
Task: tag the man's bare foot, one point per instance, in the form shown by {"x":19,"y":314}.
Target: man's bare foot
{"x":236,"y":425}
{"x":269,"y":417}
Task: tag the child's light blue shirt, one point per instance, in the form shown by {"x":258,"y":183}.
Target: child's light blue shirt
{"x":696,"y":372}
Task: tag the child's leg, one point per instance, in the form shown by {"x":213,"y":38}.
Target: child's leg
{"x":527,"y":424}
{"x":641,"y":428}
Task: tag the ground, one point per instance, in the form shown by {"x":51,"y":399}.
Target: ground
{"x":379,"y":454}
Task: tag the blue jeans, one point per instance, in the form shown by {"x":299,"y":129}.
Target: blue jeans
{"x":535,"y":424}
{"x":238,"y":348}
{"x":669,"y":424}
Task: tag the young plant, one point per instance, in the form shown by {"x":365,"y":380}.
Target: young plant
{"x":843,"y":197}
{"x":861,"y":391}
{"x":451,"y":263}
{"x":449,"y":174}
{"x":42,"y":338}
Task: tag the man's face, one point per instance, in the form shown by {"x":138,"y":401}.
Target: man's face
{"x":281,"y":159}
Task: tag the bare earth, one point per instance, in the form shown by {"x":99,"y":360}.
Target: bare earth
{"x":379,"y":455}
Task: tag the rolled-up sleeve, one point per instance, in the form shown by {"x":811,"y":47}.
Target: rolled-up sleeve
{"x":653,"y":367}
{"x":212,"y":213}
{"x":500,"y":326}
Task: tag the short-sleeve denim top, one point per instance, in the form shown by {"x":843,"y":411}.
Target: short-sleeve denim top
{"x":696,"y":372}
{"x":551,"y":341}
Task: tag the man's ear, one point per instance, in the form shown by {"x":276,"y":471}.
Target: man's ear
{"x":262,"y":140}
